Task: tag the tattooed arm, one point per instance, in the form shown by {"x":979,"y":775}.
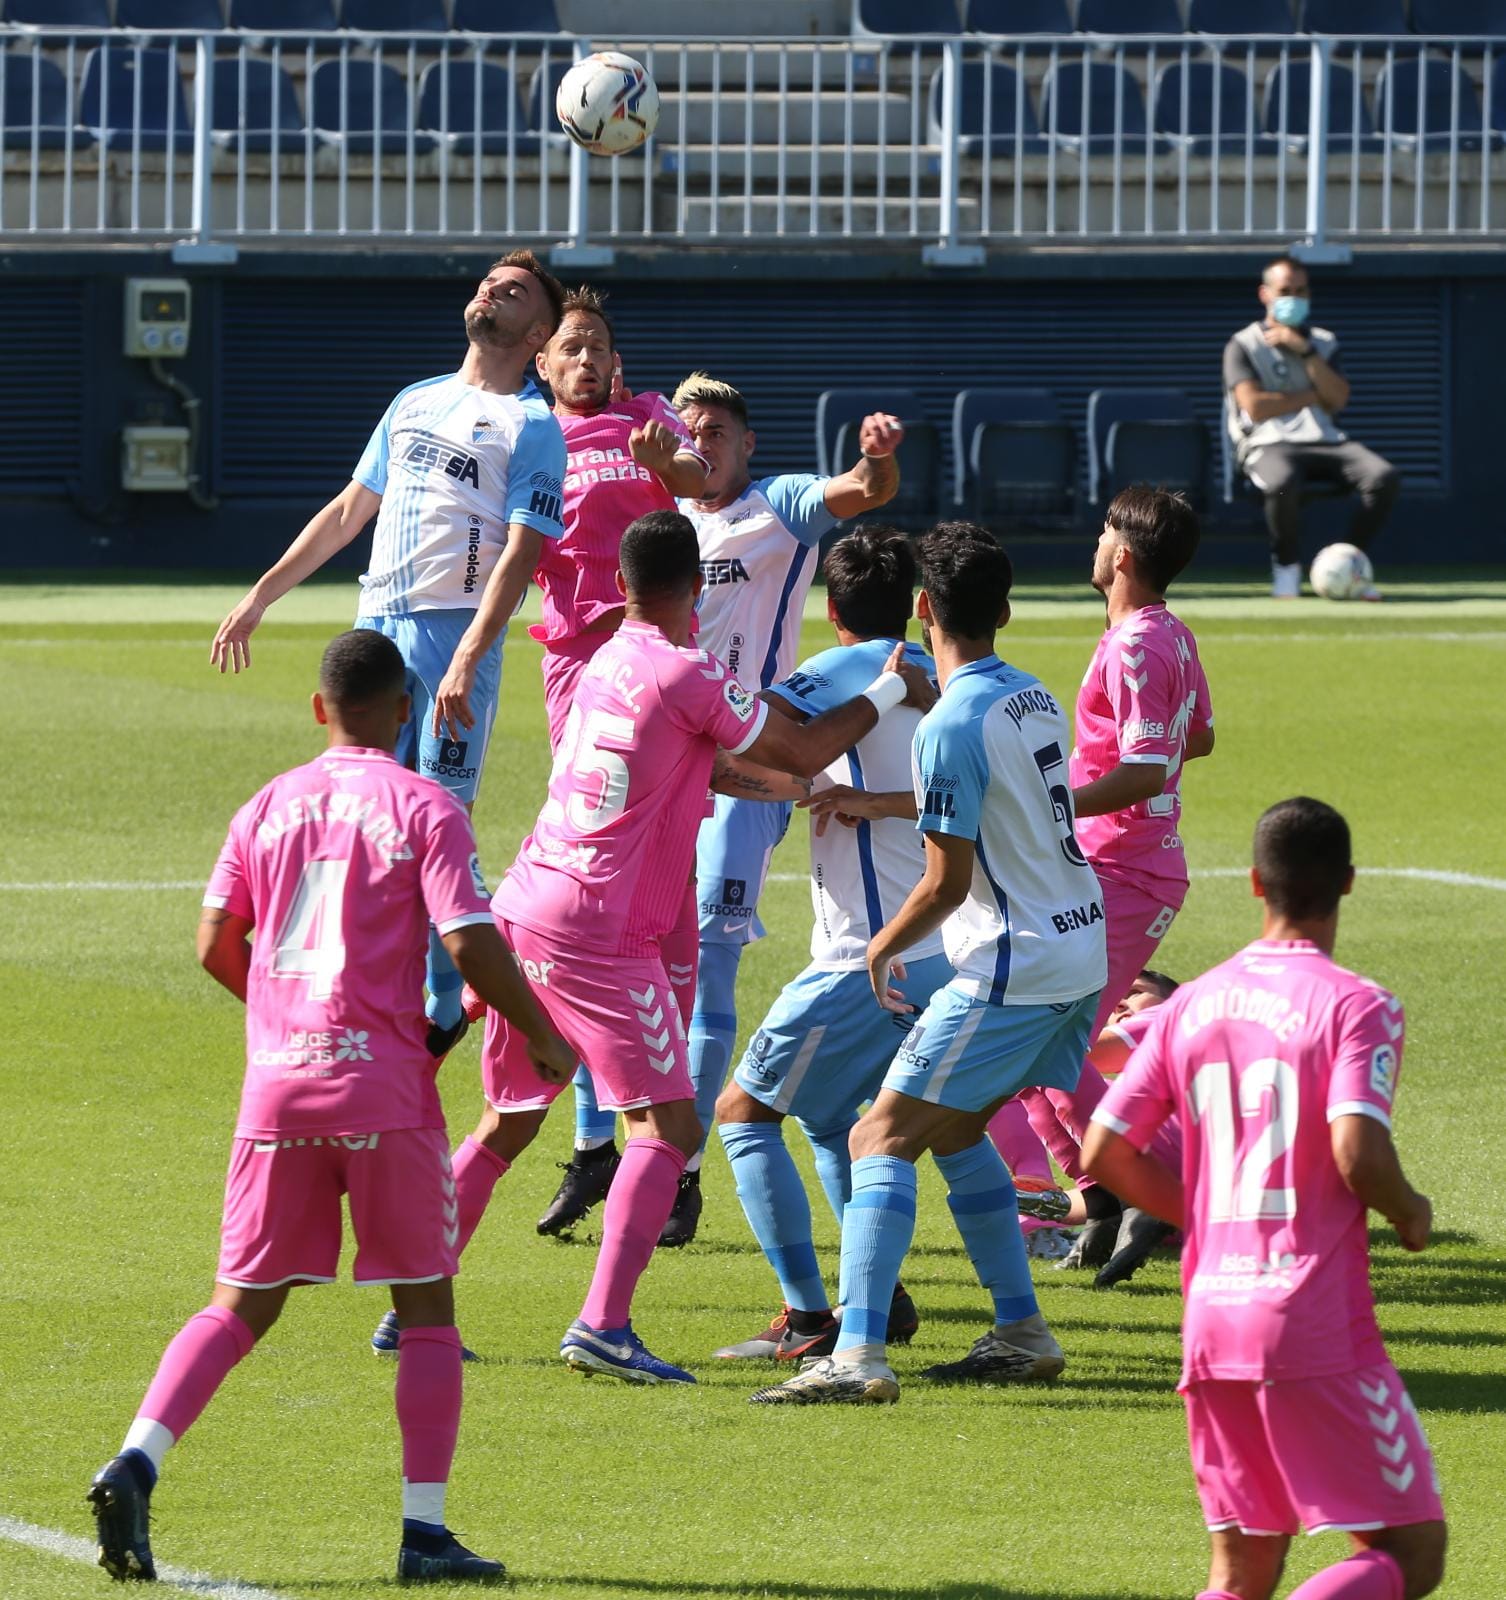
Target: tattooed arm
{"x":746,"y":780}
{"x":225,"y":948}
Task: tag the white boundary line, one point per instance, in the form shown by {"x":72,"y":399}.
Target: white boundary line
{"x":1458,"y":880}
{"x":50,"y":1542}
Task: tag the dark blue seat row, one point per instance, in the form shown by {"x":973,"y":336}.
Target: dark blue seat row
{"x":294,"y":16}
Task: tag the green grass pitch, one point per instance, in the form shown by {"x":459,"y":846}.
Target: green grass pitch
{"x":125,"y":756}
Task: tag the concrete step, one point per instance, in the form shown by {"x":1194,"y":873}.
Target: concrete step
{"x":831,"y":163}
{"x":735,"y":119}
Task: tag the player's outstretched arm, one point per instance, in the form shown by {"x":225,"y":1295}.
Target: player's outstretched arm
{"x":1366,"y":1157}
{"x":224,"y":945}
{"x":680,"y":469}
{"x":1136,"y":1176}
{"x":1126,"y":785}
{"x":874,"y":481}
{"x":737,"y":776}
{"x":842,"y":803}
{"x":325,"y":533}
{"x":483,"y":959}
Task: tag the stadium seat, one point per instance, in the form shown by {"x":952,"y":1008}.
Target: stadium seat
{"x":1240,"y":17}
{"x":1106,"y":407}
{"x":36,"y":96}
{"x":252,"y":90}
{"x":1120,"y":17}
{"x":987,"y":107}
{"x":506,"y":16}
{"x":834,"y":407}
{"x":283,"y":16}
{"x":1113,"y":102}
{"x":483,"y":103}
{"x":904,"y":17}
{"x":60,"y":13}
{"x":1228,"y":128}
{"x":1168,"y":453}
{"x":394,"y":16}
{"x":1418,"y":100}
{"x":1011,"y":453}
{"x":1348,"y":112}
{"x":919,"y":458}
{"x":205,"y":14}
{"x":113,"y":75}
{"x":1012,"y":17}
{"x":1346,"y":18}
{"x":541,"y":91}
{"x":1460,"y":19}
{"x":375,"y":119}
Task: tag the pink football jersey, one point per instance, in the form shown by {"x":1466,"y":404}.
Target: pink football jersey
{"x":341,"y":864}
{"x":609,"y":858}
{"x":1256,"y":1058}
{"x":605,"y":489}
{"x":1143,"y":693}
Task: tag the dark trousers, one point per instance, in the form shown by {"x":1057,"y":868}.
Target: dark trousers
{"x":1280,"y":471}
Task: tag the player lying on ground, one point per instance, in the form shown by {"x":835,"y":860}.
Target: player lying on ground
{"x":339,"y":865}
{"x":1022,"y":923}
{"x":1282,"y":1069}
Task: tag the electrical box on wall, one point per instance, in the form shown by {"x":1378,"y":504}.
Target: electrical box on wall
{"x":154,"y":459}
{"x":157,"y":316}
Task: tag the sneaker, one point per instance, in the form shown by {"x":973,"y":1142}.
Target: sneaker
{"x":384,"y":1340}
{"x":588,"y":1176}
{"x":121,"y":1498}
{"x":451,"y":1563}
{"x":685,"y":1215}
{"x":1021,"y":1352}
{"x":440,"y":1041}
{"x":1139,"y":1234}
{"x":618,"y":1351}
{"x":832,"y":1381}
{"x":781,"y":1342}
{"x":904,"y":1319}
{"x":1045,"y":1205}
{"x":1048,"y":1244}
{"x":1286,"y":580}
{"x":1095,"y":1243}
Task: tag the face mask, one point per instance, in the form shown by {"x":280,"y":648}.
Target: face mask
{"x":1291,"y":310}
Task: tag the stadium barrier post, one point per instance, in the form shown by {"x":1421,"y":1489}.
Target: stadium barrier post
{"x":948,"y":251}
{"x":1316,"y":247}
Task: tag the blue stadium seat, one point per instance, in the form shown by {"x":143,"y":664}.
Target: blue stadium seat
{"x":904,"y":17}
{"x":1113,"y":101}
{"x":836,"y":407}
{"x":988,"y":106}
{"x":1128,"y":16}
{"x":1348,"y":112}
{"x":919,"y":458}
{"x":1415,"y":104}
{"x":256,"y":91}
{"x":107,"y":98}
{"x":1240,"y":17}
{"x":206,"y":14}
{"x":1012,"y":453}
{"x":394,"y":16}
{"x":541,"y":91}
{"x":283,"y":16}
{"x":1106,"y":407}
{"x":60,"y":13}
{"x":1205,"y":129}
{"x":376,"y":114}
{"x":36,"y":96}
{"x":483,"y":102}
{"x":1345,"y":18}
{"x":1170,"y":453}
{"x":506,"y":16}
{"x":1460,"y":19}
{"x":1012,"y":17}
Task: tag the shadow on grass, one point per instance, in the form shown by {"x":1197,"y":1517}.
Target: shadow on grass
{"x":521,"y":1582}
{"x":1457,"y":1391}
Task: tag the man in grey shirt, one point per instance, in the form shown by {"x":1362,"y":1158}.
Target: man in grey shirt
{"x":1283,"y":386}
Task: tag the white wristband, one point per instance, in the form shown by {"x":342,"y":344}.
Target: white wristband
{"x":886,"y":691}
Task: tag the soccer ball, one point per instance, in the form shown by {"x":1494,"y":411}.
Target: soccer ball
{"x":1341,"y":572}
{"x":607,"y":103}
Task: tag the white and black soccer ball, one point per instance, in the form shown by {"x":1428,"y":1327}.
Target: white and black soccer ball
{"x":1341,"y":572}
{"x":607,"y":103}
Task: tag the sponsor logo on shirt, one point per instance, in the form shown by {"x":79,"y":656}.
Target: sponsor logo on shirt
{"x":1135,"y":731}
{"x":733,"y":902}
{"x":428,"y":455}
{"x":538,"y":972}
{"x":1243,"y":1275}
{"x":739,"y":699}
{"x":909,"y":1052}
{"x":1075,"y":917}
{"x":478,"y":882}
{"x":451,"y":761}
{"x":544,"y":504}
{"x":312,"y":1053}
{"x":346,"y":1141}
{"x":939,"y":801}
{"x":472,"y":554}
{"x":734,"y":647}
{"x":730,"y":571}
{"x":754,"y":1063}
{"x":483,"y":428}
{"x":1383,"y":1072}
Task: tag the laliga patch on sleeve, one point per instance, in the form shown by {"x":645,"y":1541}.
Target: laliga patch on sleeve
{"x":739,"y":699}
{"x":1383,"y":1072}
{"x":477,"y":881}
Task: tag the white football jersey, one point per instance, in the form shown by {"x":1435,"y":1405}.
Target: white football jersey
{"x":990,"y":765}
{"x":758,"y":556}
{"x":454,"y":466}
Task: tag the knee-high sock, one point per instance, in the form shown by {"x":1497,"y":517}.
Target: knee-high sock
{"x":476,"y":1171}
{"x":713,"y":1026}
{"x":193,"y":1366}
{"x":444,"y":982}
{"x":833,"y":1164}
{"x":1371,"y":1575}
{"x":877,"y":1226}
{"x":1216,"y":1594}
{"x":773,"y":1200}
{"x":637,"y":1208}
{"x":428,"y":1415}
{"x":593,"y":1126}
{"x":981,"y":1197}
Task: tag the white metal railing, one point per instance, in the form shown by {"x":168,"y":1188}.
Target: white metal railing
{"x":957,"y":144}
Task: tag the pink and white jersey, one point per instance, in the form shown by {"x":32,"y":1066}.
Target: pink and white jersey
{"x":340,"y":865}
{"x":1256,"y":1058}
{"x":608,"y":860}
{"x":1143,"y":693}
{"x":605,"y":489}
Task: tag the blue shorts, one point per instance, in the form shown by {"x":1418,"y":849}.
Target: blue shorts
{"x":969,"y":1055}
{"x":427,"y":640}
{"x":826,"y":1043}
{"x":731,"y":862}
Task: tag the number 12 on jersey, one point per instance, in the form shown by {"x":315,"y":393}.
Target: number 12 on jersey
{"x":1236,"y":1184}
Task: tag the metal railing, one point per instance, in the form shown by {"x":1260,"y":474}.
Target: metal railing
{"x":958,"y":145}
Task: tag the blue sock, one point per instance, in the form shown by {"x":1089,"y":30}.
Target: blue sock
{"x":591,"y":1122}
{"x":773,"y":1200}
{"x":833,"y":1164}
{"x":713,"y":1026}
{"x":877,"y":1227}
{"x":981,"y":1195}
{"x":443,"y":1005}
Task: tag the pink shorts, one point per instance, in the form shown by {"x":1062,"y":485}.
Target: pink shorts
{"x":1345,"y":1453}
{"x":618,"y":1012}
{"x":564,"y":661}
{"x":282,"y":1209}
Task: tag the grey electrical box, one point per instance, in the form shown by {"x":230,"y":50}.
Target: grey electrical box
{"x":157,"y":316}
{"x":154,"y":460}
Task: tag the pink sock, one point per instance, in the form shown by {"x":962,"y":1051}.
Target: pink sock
{"x":476,"y":1170}
{"x":1023,"y":1152}
{"x":1217,"y":1594}
{"x":193,"y":1366}
{"x":1371,"y":1575}
{"x":428,"y":1401}
{"x":638,"y":1206}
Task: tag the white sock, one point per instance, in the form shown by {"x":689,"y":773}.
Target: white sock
{"x":593,"y":1143}
{"x":423,"y":1502}
{"x":150,"y":1438}
{"x":694,"y":1164}
{"x":863,"y":1355}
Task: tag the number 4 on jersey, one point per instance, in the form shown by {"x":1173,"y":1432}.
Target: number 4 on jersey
{"x":311,"y":942}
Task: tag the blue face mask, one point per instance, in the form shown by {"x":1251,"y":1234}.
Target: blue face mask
{"x":1291,"y":310}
